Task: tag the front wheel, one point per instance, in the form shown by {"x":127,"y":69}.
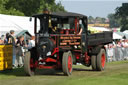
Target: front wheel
{"x":67,"y":63}
{"x":29,"y":64}
{"x":93,"y":62}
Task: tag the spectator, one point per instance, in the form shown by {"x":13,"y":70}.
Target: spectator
{"x":31,"y":43}
{"x":124,"y":43}
{"x":3,"y":38}
{"x":12,"y":40}
{"x":110,"y":53}
{"x":20,"y":41}
{"x":124,"y":49}
{"x":119,"y":44}
{"x":19,"y":52}
{"x":120,"y":50}
{"x":1,"y":41}
{"x":6,"y":38}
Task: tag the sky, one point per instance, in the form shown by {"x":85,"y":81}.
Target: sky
{"x":95,"y":8}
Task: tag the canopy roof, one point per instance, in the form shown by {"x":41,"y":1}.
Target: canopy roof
{"x":16,"y":23}
{"x":123,"y":34}
{"x":62,"y":15}
{"x":126,"y":31}
{"x":116,"y":36}
{"x":17,"y":33}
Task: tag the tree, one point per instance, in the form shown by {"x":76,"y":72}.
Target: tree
{"x":98,"y":20}
{"x":2,"y":5}
{"x":51,"y":5}
{"x":113,"y":21}
{"x":103,"y":20}
{"x":11,"y":10}
{"x":30,"y":7}
{"x":91,"y":20}
{"x":122,"y":14}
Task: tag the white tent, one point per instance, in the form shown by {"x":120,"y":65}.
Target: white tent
{"x":101,"y":28}
{"x":116,"y":36}
{"x":17,"y":23}
{"x":126,"y":31}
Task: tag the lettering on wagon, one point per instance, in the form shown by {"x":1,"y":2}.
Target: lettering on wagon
{"x":70,"y":40}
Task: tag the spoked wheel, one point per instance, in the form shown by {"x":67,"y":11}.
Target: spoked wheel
{"x":29,"y":64}
{"x":67,"y":63}
{"x":101,"y":60}
{"x":93,"y":62}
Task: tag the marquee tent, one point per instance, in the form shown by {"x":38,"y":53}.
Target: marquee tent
{"x":116,"y":36}
{"x":101,"y":28}
{"x":17,"y":23}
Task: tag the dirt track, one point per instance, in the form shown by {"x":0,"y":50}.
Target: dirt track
{"x":81,"y":75}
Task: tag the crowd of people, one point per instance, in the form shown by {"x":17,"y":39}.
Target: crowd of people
{"x":117,"y":50}
{"x":19,"y":47}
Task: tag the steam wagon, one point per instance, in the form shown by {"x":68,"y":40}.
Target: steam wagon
{"x":62,"y":40}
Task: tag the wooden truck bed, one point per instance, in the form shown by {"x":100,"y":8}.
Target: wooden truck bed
{"x":99,"y":38}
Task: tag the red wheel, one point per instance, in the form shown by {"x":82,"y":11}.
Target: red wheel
{"x":101,"y":60}
{"x":29,"y":64}
{"x":67,"y":63}
{"x":70,"y":63}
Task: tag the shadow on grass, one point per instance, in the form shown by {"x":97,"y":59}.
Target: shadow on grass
{"x":13,"y":72}
{"x":81,"y":69}
{"x":20,"y":72}
{"x":47,"y":72}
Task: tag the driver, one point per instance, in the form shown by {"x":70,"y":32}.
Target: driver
{"x":46,"y":11}
{"x":81,"y":27}
{"x":52,"y":28}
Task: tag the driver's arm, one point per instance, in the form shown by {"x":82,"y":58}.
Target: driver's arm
{"x":80,"y":31}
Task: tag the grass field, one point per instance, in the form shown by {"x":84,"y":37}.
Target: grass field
{"x":116,"y":73}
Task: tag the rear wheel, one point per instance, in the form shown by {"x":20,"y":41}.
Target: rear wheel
{"x":67,"y":63}
{"x":101,"y":60}
{"x":93,"y":62}
{"x":29,"y":64}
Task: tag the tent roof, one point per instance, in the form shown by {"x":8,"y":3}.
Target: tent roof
{"x":17,"y":23}
{"x":122,"y":34}
{"x":62,"y":14}
{"x":101,"y":28}
{"x":126,"y":31}
{"x":116,"y":36}
{"x":17,"y":33}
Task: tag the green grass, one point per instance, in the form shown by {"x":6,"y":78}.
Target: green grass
{"x":116,"y":73}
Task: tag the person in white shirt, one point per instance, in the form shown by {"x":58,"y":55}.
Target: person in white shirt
{"x":110,"y":53}
{"x":31,"y":43}
{"x":124,"y":43}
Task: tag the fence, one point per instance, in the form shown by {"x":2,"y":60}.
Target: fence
{"x":119,"y":53}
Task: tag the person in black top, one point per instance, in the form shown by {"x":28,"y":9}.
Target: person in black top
{"x":12,"y":40}
{"x":20,"y":41}
{"x":6,"y":38}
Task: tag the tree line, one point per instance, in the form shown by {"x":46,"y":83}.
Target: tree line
{"x":120,"y":17}
{"x":99,"y":20}
{"x":115,"y":20}
{"x":28,"y":7}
